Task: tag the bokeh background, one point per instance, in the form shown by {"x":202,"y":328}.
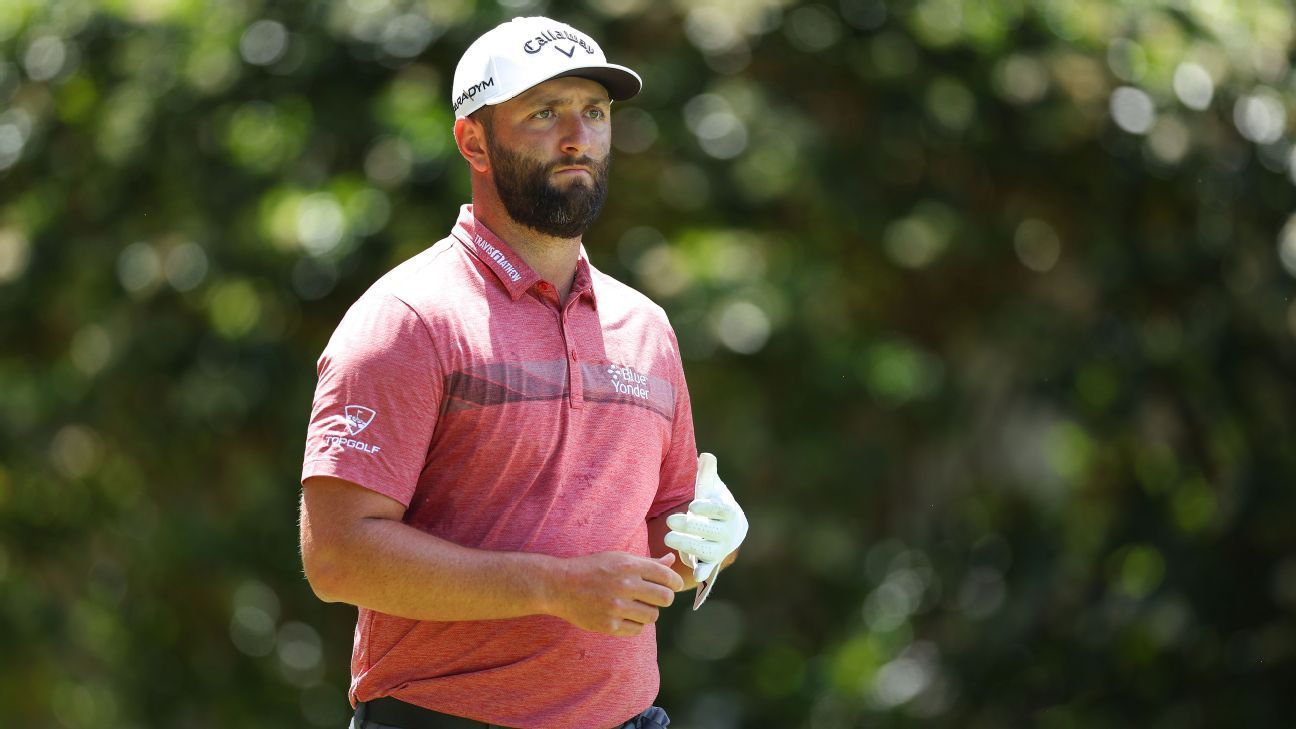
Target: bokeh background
{"x":986,"y":307}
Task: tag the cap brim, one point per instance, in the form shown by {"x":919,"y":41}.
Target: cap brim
{"x":621,"y":83}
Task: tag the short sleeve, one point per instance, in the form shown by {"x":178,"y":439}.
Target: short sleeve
{"x":377,"y":399}
{"x":679,"y":466}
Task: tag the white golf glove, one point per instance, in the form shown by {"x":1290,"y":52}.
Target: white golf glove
{"x":713,"y":527}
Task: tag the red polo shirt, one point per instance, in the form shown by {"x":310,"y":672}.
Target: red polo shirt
{"x":460,"y":386}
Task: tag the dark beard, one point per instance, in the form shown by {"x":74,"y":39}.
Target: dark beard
{"x":524,"y":188}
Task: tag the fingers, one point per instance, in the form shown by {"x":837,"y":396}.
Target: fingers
{"x":703,"y":549}
{"x":658,"y":572}
{"x":635,"y":611}
{"x":703,"y":571}
{"x":681,"y":541}
{"x":622,"y":628}
{"x":710,"y":508}
{"x":653,"y":594}
{"x":706,"y":469}
{"x":677,"y":522}
{"x":627,"y":616}
{"x":698,"y":526}
{"x":619,"y":593}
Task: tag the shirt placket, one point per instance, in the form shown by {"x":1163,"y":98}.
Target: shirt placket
{"x":575,"y":381}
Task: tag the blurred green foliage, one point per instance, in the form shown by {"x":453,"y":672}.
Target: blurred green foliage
{"x":987,"y":308}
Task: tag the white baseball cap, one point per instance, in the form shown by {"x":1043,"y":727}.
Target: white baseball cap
{"x":514,"y":56}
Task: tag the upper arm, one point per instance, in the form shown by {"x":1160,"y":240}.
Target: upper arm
{"x":679,"y":463}
{"x":332,"y":507}
{"x":376,"y":401}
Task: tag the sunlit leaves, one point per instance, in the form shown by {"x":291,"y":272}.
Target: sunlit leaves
{"x":896,"y":372}
{"x":262,"y":136}
{"x":1010,"y":281}
{"x":324,"y":223}
{"x":415,"y":106}
{"x":15,"y":251}
{"x":234,"y":308}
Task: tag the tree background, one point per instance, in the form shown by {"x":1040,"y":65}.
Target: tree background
{"x":987,"y":308}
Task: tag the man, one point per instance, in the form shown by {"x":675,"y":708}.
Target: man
{"x":500,"y":433}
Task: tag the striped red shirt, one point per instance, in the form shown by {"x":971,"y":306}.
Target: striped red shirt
{"x":460,"y":386}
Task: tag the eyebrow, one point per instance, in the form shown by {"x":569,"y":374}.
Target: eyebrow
{"x":563,"y":100}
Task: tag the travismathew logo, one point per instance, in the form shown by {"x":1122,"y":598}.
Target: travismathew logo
{"x":628,"y":382}
{"x":535,"y":45}
{"x":358,"y":417}
{"x":472,"y":91}
{"x":498,"y":257}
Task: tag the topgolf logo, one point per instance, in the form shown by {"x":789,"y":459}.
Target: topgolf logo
{"x":358,"y":418}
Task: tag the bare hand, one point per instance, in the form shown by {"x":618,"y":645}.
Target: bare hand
{"x":614,"y":592}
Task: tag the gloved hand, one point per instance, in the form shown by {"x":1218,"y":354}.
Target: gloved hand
{"x":713,"y":527}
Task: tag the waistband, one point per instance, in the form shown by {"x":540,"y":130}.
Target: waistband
{"x":396,"y":713}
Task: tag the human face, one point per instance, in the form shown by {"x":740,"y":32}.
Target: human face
{"x":549,"y":155}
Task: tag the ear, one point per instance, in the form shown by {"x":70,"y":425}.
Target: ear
{"x":470,"y":137}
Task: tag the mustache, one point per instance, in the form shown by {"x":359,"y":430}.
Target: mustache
{"x":585,"y":161}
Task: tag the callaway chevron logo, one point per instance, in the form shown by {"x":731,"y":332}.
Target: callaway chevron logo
{"x":535,"y":45}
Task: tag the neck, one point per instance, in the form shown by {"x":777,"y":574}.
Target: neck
{"x":554,"y":259}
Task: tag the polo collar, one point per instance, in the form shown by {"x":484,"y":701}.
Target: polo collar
{"x":508,"y":267}
{"x":513,"y":273}
{"x":583,"y":281}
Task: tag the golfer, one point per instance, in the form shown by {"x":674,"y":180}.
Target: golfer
{"x":500,"y":432}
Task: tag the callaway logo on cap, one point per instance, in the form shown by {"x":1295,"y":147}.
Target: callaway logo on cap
{"x":523,"y":52}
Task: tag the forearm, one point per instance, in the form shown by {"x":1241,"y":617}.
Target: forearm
{"x":391,"y":567}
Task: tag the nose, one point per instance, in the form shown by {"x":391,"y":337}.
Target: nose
{"x":577,"y":136}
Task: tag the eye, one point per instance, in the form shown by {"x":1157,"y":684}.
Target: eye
{"x":597,"y":113}
{"x":542,"y":114}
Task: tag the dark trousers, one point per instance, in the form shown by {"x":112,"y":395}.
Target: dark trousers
{"x":389,"y":713}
